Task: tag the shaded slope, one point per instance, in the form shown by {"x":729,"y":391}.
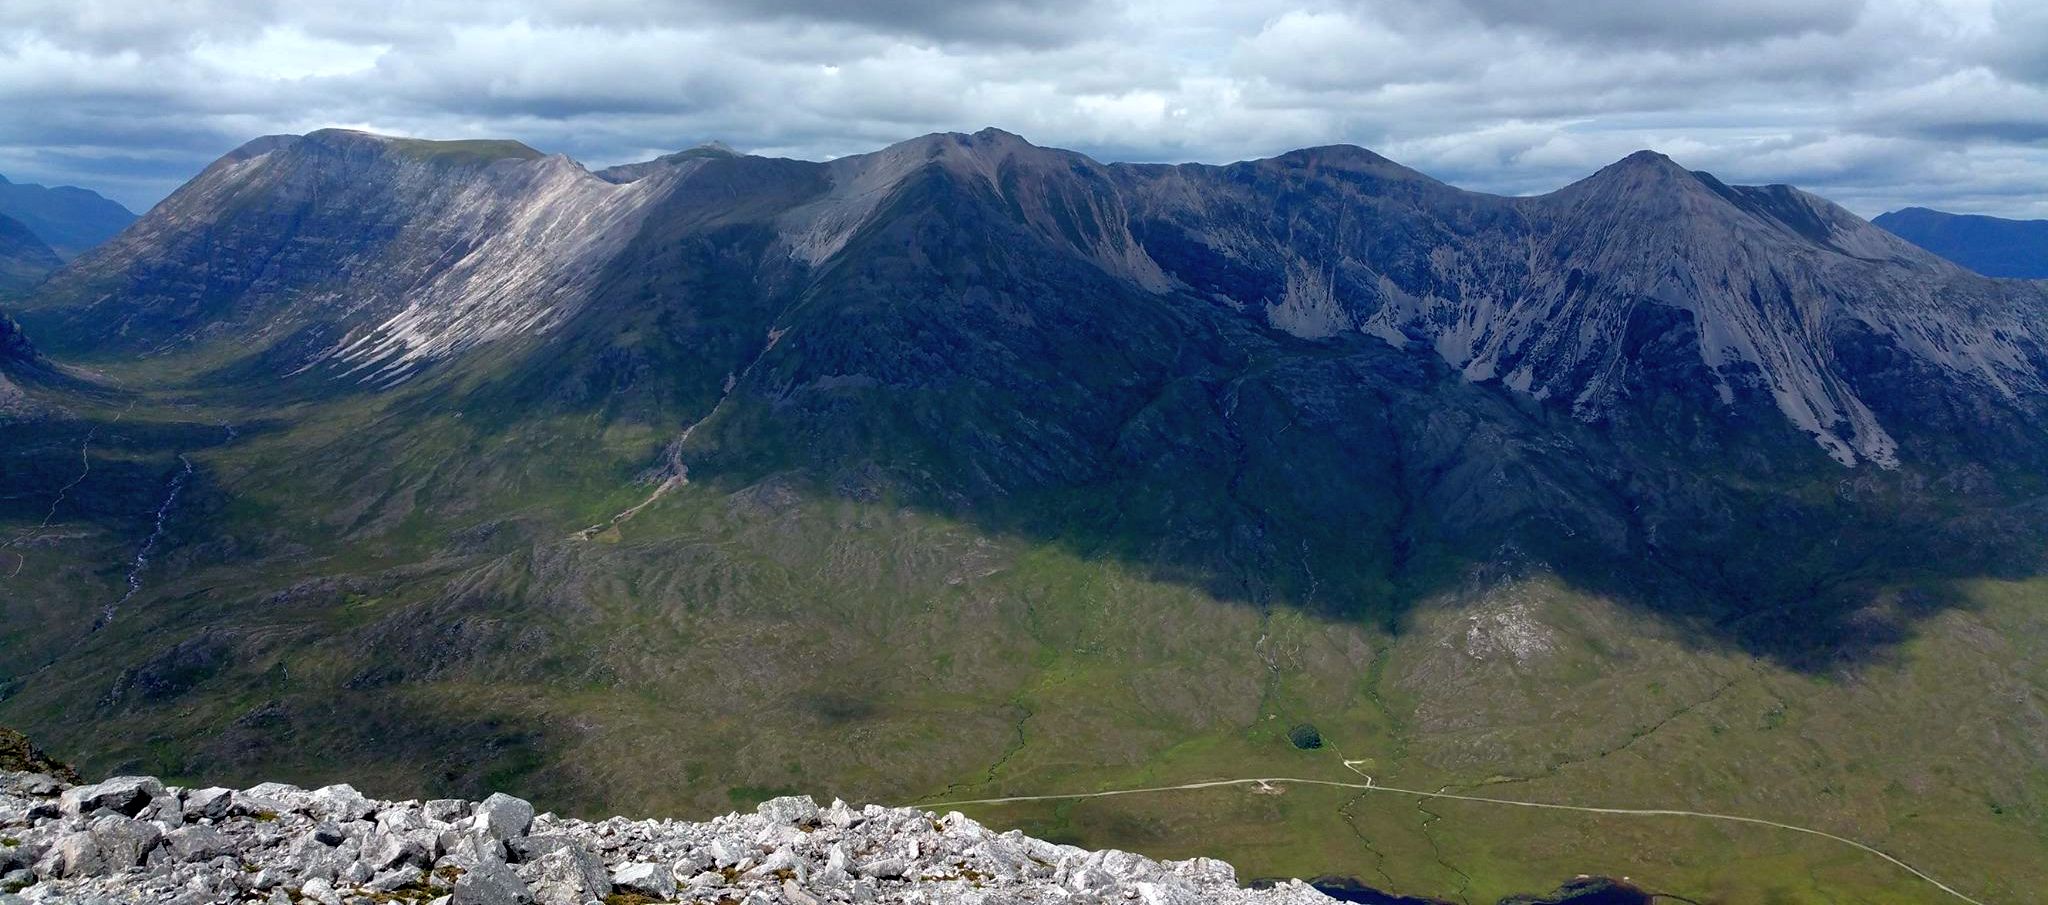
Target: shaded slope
{"x":1992,"y":246}
{"x":24,"y":259}
{"x":1322,"y":379}
{"x":70,"y":220}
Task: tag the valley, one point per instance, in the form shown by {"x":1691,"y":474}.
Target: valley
{"x":1012,"y":475}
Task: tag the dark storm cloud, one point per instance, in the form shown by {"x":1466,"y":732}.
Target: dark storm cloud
{"x":1875,"y":102}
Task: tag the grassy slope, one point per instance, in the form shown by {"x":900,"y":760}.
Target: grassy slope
{"x":408,"y":634}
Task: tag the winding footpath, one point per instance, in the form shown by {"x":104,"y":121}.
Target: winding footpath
{"x":85,"y":463}
{"x":1271,"y":784}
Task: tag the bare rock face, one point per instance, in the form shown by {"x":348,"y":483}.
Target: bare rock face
{"x":333,"y":846}
{"x":1761,"y":290}
{"x":370,"y":258}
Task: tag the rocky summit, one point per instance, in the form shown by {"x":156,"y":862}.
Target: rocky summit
{"x":135,"y":839}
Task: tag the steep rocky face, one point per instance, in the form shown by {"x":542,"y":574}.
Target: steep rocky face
{"x":372,"y":257}
{"x":70,"y":220}
{"x":364,"y":251}
{"x":1551,"y":296}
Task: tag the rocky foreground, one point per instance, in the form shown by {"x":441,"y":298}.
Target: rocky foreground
{"x":137,"y":840}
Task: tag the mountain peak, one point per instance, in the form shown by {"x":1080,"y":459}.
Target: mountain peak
{"x":460,"y":151}
{"x":1648,"y":158}
{"x":1642,"y":177}
{"x":1644,"y":168}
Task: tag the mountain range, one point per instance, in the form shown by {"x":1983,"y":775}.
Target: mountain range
{"x":1992,"y":246}
{"x":24,"y":258}
{"x":970,"y":464}
{"x":68,"y":219}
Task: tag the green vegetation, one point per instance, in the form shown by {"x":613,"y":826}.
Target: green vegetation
{"x":384,"y":589}
{"x":1305,"y":736}
{"x":468,"y":151}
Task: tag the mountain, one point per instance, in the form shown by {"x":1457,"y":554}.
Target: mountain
{"x":973,"y":465}
{"x":70,"y":220}
{"x":1992,"y":246}
{"x":24,"y":259}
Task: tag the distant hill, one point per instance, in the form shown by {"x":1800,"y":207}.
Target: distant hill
{"x":24,"y":258}
{"x":69,"y":219}
{"x":1992,"y":246}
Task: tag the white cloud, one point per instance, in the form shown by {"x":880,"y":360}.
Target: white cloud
{"x":1875,"y":102}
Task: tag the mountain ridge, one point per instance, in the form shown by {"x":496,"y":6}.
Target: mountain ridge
{"x":69,"y":219}
{"x":1993,"y":246}
{"x":1086,"y":207}
{"x":383,"y":463}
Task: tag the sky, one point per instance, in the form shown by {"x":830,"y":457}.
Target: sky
{"x":1877,"y":104}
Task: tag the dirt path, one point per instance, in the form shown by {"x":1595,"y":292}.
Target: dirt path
{"x":1268,"y":784}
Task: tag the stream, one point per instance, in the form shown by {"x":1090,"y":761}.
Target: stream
{"x":141,"y":562}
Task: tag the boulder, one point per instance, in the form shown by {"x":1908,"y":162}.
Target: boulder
{"x":29,"y":785}
{"x":490,"y":882}
{"x":531,"y":848}
{"x":196,"y":843}
{"x":106,"y":845}
{"x":641,"y":878}
{"x":445,"y":810}
{"x":327,"y":832}
{"x":341,"y":803}
{"x":789,"y":810}
{"x":124,"y":795}
{"x":321,"y":891}
{"x":385,"y":851}
{"x":208,"y":804}
{"x":568,"y":876}
{"x":273,"y":797}
{"x":467,"y":848}
{"x":504,"y":816}
{"x":884,"y":868}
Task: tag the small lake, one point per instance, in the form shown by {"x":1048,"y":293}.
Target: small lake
{"x":1586,"y":891}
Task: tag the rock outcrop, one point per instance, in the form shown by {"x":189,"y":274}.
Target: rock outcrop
{"x":136,"y":839}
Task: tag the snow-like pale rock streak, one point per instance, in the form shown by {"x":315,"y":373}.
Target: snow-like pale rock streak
{"x":533,"y":236}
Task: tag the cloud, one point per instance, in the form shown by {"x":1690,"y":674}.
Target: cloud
{"x":1671,"y":22}
{"x":1876,"y":102}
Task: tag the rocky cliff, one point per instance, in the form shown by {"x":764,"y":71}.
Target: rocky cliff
{"x":137,"y":840}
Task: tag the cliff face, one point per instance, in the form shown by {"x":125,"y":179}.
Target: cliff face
{"x":136,"y":840}
{"x":1737,"y":294}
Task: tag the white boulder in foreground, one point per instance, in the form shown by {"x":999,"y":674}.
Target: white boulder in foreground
{"x":137,"y":840}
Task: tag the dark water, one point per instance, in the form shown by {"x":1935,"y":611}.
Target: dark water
{"x":1589,"y":891}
